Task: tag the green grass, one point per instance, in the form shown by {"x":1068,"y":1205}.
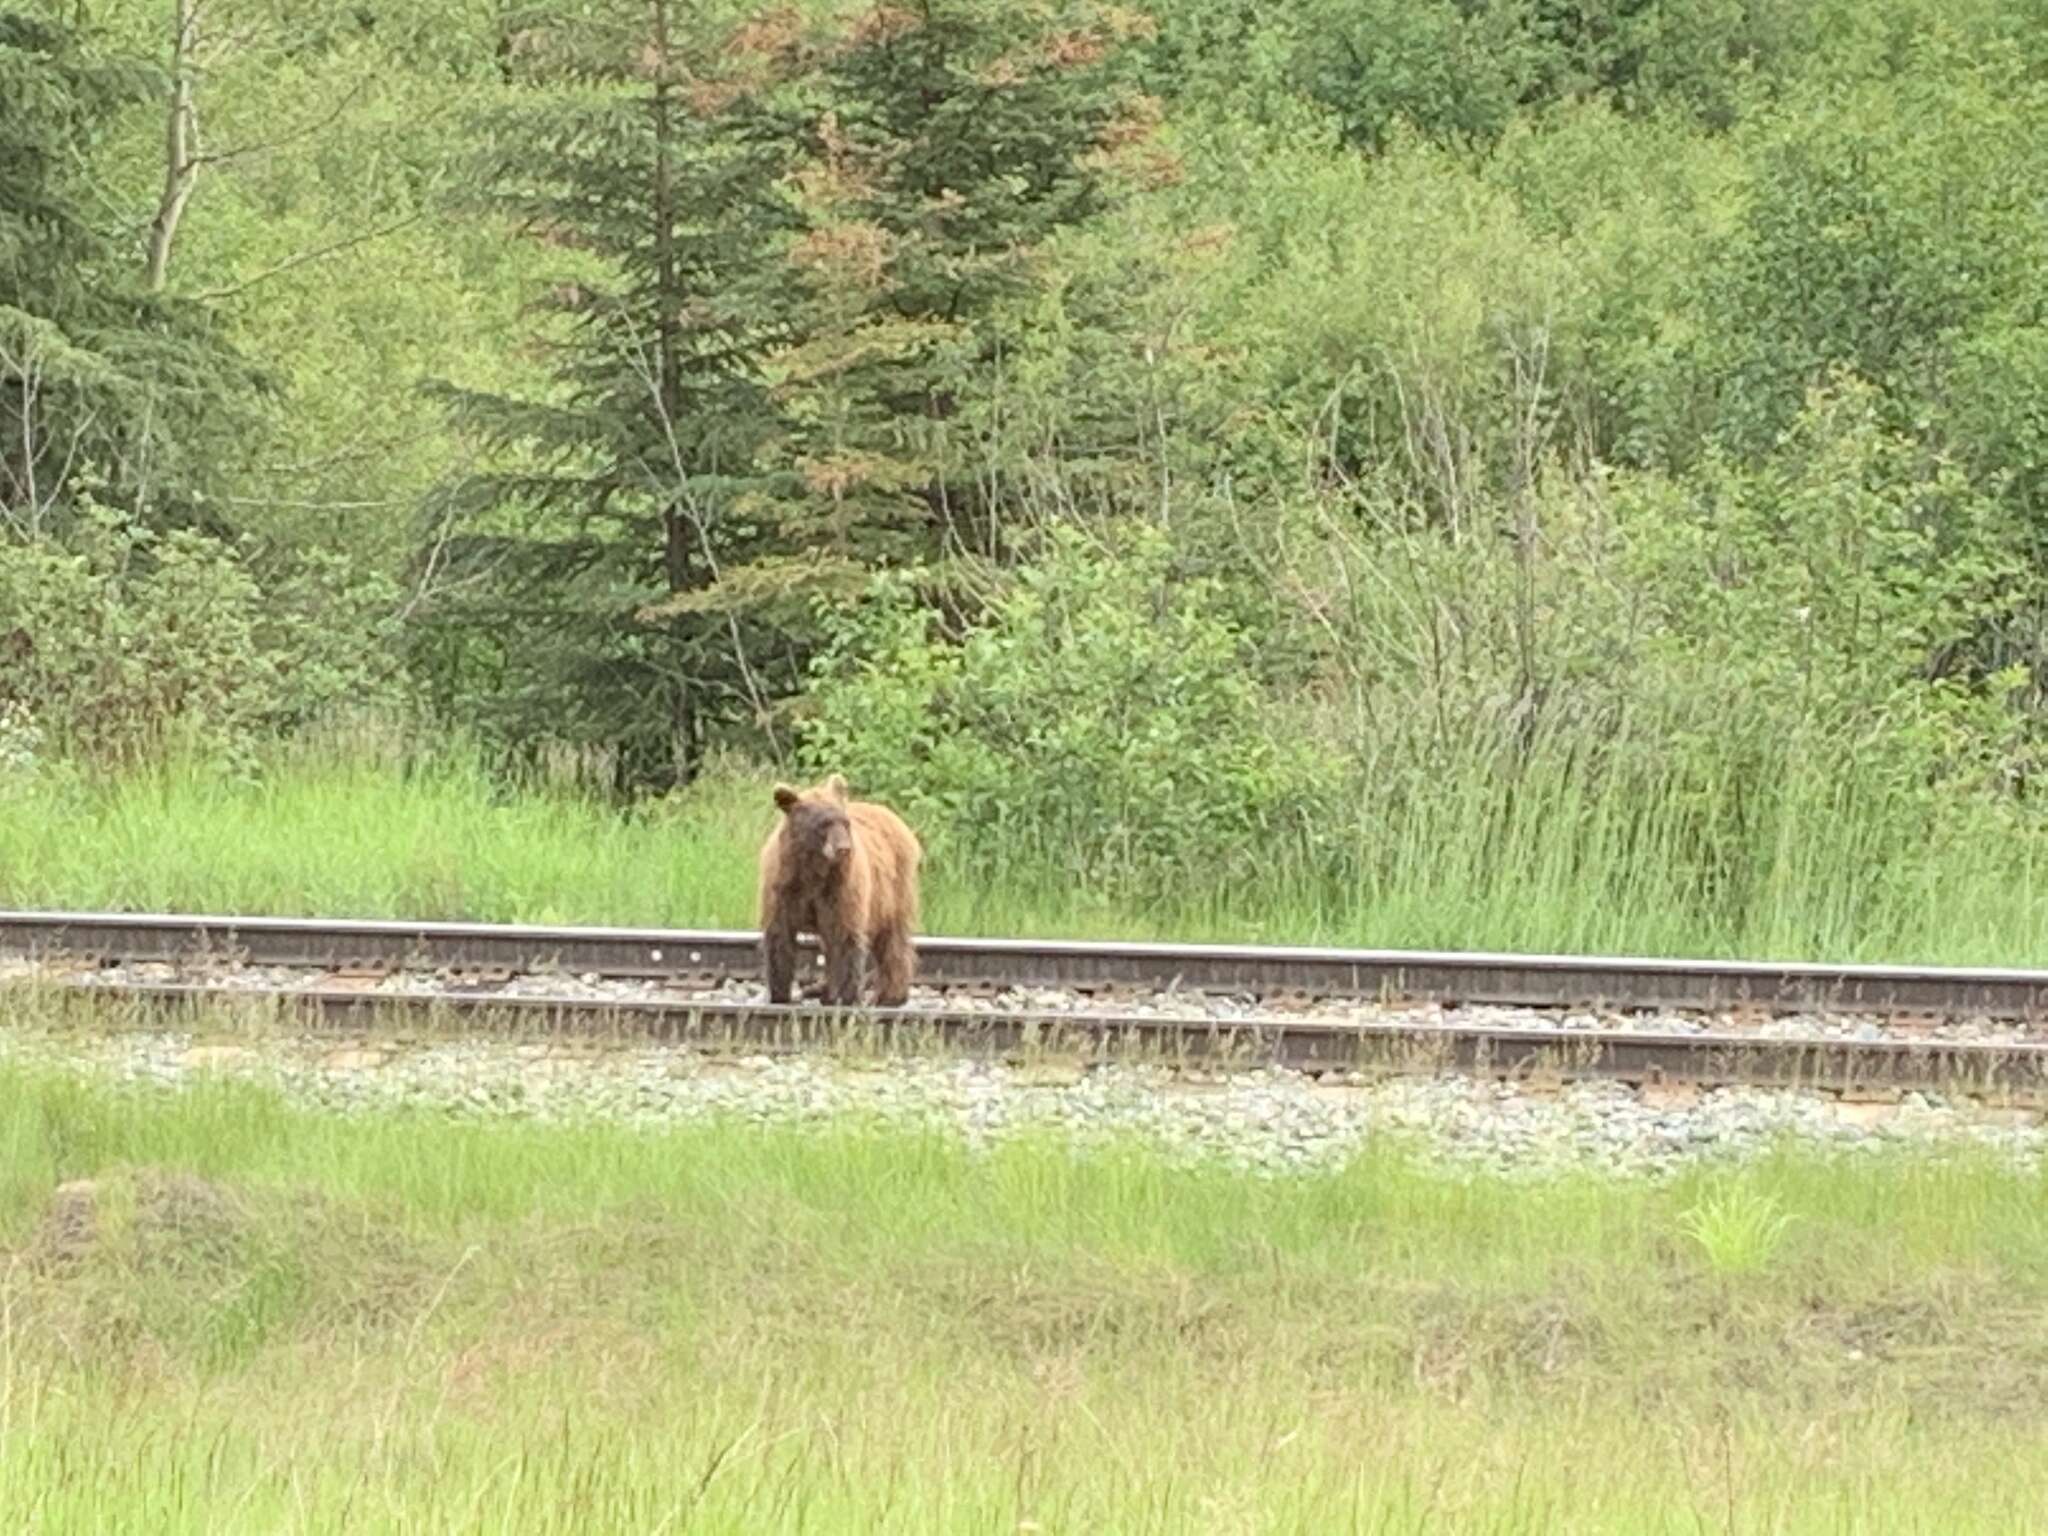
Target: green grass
{"x":353,"y":838}
{"x":1557,"y":866}
{"x":291,"y":1322}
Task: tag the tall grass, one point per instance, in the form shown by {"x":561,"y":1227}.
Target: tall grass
{"x":406,"y":1323}
{"x":1771,"y":852}
{"x":1817,"y":865}
{"x":435,"y":837}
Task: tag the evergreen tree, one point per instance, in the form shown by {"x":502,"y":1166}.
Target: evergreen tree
{"x":944,"y":143}
{"x":100,"y":379}
{"x":631,"y":159}
{"x":785,"y":249}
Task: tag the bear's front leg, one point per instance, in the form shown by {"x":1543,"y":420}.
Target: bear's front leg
{"x":778,"y":959}
{"x":846,"y":971}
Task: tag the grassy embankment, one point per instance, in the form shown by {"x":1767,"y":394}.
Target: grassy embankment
{"x":1565,"y":868}
{"x":283,"y":1322}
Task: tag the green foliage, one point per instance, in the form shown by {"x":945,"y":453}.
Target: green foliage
{"x":120,"y":643}
{"x":1231,"y":62}
{"x":780,"y":253}
{"x":1457,"y":72}
{"x":1606,"y":436}
{"x":1718,"y":685}
{"x":1102,"y":714}
{"x":1831,"y":587}
{"x":942,"y":150}
{"x":1879,"y":233}
{"x":1835,"y":590}
{"x":1463,"y":71}
{"x":1994,"y":410}
{"x":322,"y":238}
{"x":21,"y":743}
{"x":618,"y":487}
{"x":97,"y":376}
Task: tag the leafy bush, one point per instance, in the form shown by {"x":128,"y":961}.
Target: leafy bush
{"x":1751,"y":681}
{"x":1103,"y":713}
{"x":1456,"y":72}
{"x":1831,"y":587}
{"x":1464,"y":70}
{"x":1879,"y":229}
{"x":119,"y":642}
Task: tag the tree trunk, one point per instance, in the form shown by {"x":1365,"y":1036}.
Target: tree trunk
{"x":181,"y":147}
{"x":676,"y":563}
{"x":686,"y":747}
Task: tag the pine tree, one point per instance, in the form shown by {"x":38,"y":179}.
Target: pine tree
{"x":621,"y":489}
{"x":101,"y":381}
{"x":785,"y":248}
{"x":945,"y":142}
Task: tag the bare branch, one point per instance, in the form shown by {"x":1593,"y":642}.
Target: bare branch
{"x":306,"y":130}
{"x":379,"y":504}
{"x":699,"y":519}
{"x":318,"y":253}
{"x":434,"y":557}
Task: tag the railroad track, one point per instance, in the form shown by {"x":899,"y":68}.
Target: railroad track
{"x":712,"y":955}
{"x":70,"y":940}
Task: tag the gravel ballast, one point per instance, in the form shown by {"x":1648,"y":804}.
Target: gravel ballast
{"x":1269,"y":1121}
{"x":1161,"y":1004}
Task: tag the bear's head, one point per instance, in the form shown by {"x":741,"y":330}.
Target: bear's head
{"x":819,"y":826}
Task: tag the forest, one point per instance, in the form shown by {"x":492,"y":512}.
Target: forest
{"x":1476,"y":473}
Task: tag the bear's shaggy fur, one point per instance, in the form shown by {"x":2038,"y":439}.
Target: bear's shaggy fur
{"x":845,"y":870}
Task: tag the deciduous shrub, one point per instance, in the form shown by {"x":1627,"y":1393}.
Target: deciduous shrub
{"x":1102,"y":713}
{"x":121,"y":642}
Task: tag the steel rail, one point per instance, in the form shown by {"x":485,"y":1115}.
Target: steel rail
{"x":1639,"y":1057}
{"x":711,"y":955}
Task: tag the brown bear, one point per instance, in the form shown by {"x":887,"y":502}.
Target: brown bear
{"x":845,"y":870}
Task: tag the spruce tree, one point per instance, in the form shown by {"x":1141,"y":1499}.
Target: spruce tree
{"x":785,"y":250}
{"x":620,"y":488}
{"x":944,"y":143}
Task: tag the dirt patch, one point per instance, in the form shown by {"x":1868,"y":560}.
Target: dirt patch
{"x":138,"y":1268}
{"x":219,"y":1058}
{"x":145,"y":1218}
{"x":65,"y":1238}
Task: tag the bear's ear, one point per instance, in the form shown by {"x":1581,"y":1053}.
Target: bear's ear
{"x":785,"y":797}
{"x":835,"y":786}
